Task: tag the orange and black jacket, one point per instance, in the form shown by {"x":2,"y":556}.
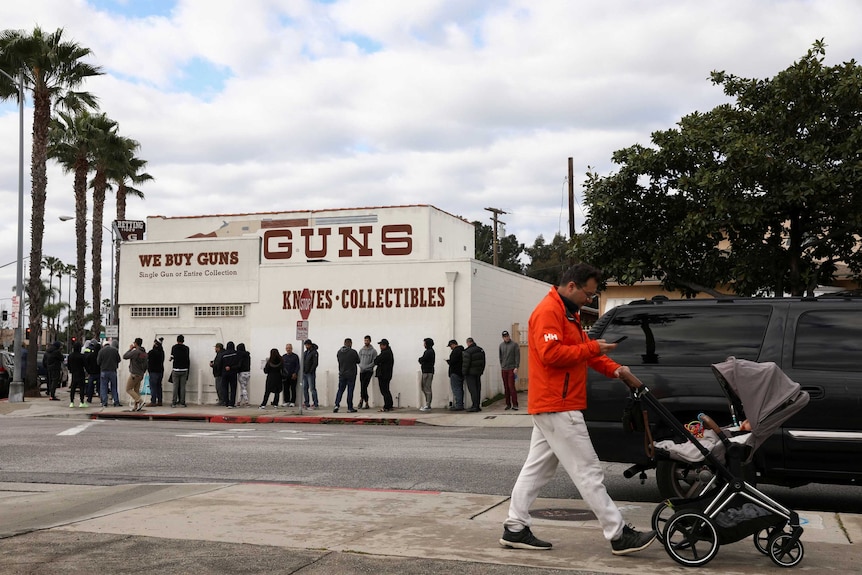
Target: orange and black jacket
{"x":559,"y":353}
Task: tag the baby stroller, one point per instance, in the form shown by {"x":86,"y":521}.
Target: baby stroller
{"x":729,"y":509}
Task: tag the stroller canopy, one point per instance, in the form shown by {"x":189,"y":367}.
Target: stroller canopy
{"x":768,"y":396}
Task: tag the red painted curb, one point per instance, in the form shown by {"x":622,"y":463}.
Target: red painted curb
{"x":239,"y":419}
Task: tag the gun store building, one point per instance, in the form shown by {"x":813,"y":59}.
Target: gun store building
{"x":402,"y":273}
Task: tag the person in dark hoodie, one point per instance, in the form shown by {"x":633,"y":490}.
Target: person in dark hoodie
{"x":77,"y":374}
{"x":91,"y":365}
{"x":230,"y":370}
{"x":244,"y":374}
{"x":426,"y":364}
{"x":348,"y":359}
{"x":289,"y":371}
{"x":473,"y":366}
{"x":456,"y":378}
{"x":53,"y":360}
{"x":309,"y":374}
{"x":181,"y":361}
{"x":156,"y":369}
{"x":272,"y":369}
{"x":385,"y":362}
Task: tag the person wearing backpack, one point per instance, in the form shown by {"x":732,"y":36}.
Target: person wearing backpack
{"x":138,"y":365}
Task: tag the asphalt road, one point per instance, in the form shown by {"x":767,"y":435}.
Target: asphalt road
{"x":470,"y":460}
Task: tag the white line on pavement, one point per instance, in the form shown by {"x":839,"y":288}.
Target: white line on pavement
{"x":79,"y":428}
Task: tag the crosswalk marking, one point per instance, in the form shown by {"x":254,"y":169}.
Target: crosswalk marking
{"x":79,"y":428}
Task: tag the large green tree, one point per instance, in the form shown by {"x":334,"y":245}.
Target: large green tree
{"x":548,"y":260}
{"x":761,"y":194}
{"x":508,"y":251}
{"x":53,"y":68}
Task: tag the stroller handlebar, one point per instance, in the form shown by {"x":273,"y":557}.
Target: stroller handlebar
{"x":630,"y":380}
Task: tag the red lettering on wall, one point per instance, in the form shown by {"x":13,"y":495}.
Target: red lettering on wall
{"x":397,"y":240}
{"x":347,"y":234}
{"x":319,"y":253}
{"x":277,"y":244}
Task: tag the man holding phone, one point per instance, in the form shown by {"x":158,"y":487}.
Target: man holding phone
{"x":559,"y":353}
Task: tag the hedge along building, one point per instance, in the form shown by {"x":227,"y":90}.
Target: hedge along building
{"x":402,"y":273}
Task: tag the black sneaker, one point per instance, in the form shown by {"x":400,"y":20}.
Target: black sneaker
{"x":631,"y":541}
{"x":522,"y":540}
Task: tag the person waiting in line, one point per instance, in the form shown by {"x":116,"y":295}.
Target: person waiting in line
{"x":309,"y":375}
{"x":156,"y":369}
{"x":243,"y":375}
{"x":216,"y":366}
{"x":426,"y":365}
{"x":91,"y":365}
{"x":473,"y":366}
{"x":78,"y":375}
{"x":181,"y":363}
{"x":456,"y":378}
{"x":109,"y":360}
{"x":385,"y":363}
{"x":347,"y":359}
{"x":138,"y":363}
{"x":230,"y":370}
{"x":510,"y":360}
{"x":289,"y":375}
{"x":367,"y":353}
{"x":272,"y":369}
{"x":53,"y":363}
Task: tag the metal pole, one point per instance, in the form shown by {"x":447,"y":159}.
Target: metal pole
{"x":16,"y":388}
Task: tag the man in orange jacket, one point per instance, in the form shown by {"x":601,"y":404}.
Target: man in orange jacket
{"x":560,"y":352}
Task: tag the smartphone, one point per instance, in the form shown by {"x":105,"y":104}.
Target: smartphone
{"x":623,"y":338}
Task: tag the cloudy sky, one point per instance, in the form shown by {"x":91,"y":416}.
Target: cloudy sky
{"x":260,"y":105}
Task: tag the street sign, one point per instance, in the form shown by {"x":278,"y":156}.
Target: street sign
{"x":112,"y":330}
{"x":15,"y":308}
{"x":302,"y":330}
{"x":305,"y":303}
{"x":130,"y":230}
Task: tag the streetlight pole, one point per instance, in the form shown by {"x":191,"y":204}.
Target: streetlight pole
{"x":16,"y":387}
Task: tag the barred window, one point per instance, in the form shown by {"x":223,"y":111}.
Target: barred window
{"x":155,"y":311}
{"x":237,"y":310}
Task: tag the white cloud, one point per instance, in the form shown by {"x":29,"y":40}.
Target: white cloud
{"x":463,"y":104}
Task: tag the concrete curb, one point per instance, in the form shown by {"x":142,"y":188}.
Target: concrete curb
{"x":237,"y":419}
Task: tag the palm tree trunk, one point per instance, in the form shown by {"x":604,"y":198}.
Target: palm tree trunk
{"x":39,"y":178}
{"x":99,"y":185}
{"x":81,"y":169}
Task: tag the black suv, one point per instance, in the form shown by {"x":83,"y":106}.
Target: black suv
{"x":671,"y":345}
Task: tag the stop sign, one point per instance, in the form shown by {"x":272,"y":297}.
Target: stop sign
{"x":305,"y":303}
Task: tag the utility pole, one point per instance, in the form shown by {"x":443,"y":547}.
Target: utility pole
{"x":495,"y":245}
{"x":571,"y":199}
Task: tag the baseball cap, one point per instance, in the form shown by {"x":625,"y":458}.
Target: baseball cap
{"x":505,"y":333}
{"x":383,"y":341}
{"x":307,"y":342}
{"x":452,"y":342}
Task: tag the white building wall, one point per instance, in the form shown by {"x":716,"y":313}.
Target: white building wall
{"x":498,"y":299}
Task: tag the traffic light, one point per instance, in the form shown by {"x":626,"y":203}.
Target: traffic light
{"x":27,"y":334}
{"x":74,"y":340}
{"x":5,"y":315}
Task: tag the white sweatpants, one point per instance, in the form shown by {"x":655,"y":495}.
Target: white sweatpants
{"x":563,"y":438}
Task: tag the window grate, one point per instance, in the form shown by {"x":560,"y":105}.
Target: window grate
{"x":237,"y":310}
{"x":155,"y":311}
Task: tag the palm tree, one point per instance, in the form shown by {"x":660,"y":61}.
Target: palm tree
{"x":127,"y":169}
{"x":52,"y":68}
{"x":52,"y":264}
{"x":72,"y":140}
{"x":109,"y":149}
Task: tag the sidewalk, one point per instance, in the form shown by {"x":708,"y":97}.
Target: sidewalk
{"x":493,"y":415}
{"x":266,"y":528}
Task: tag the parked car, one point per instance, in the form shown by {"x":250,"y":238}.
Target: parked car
{"x":671,"y":345}
{"x":7,"y":366}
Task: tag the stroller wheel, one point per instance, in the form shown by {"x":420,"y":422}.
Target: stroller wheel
{"x":660,"y":517}
{"x":691,"y":539}
{"x":761,"y":539}
{"x":784,"y":552}
{"x":679,"y":479}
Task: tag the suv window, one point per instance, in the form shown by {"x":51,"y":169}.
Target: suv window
{"x":678,"y":336}
{"x":829,"y":340}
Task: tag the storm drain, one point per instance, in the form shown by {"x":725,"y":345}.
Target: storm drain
{"x":564,"y":514}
